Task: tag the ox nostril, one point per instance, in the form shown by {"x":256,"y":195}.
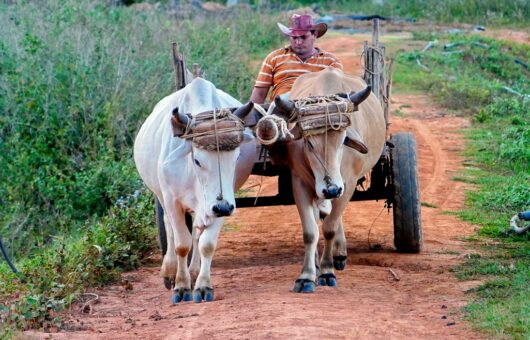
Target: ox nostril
{"x":223,"y":208}
{"x":332,"y":191}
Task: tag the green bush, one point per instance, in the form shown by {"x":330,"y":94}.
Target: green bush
{"x":77,"y":79}
{"x":58,"y":275}
{"x":90,"y":74}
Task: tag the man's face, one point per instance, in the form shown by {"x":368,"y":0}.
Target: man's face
{"x":303,"y":45}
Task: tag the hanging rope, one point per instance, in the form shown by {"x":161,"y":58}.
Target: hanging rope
{"x":220,"y":197}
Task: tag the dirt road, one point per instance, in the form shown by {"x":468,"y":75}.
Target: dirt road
{"x":261,"y":250}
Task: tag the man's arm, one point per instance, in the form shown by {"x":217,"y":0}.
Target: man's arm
{"x":259,"y":94}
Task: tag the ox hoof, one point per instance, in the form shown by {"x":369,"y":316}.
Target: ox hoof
{"x":339,"y":262}
{"x":304,"y":286}
{"x":203,"y":294}
{"x":328,"y":279}
{"x":169,"y":283}
{"x":181,"y":294}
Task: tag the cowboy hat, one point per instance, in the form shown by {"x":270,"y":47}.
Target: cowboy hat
{"x":300,"y":24}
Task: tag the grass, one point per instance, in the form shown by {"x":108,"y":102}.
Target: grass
{"x":498,"y":165}
{"x":428,"y":205}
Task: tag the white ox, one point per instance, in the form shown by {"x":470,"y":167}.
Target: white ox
{"x":323,"y":170}
{"x":188,"y":178}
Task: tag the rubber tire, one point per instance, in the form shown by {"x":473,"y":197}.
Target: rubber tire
{"x":406,"y":196}
{"x":162,"y":237}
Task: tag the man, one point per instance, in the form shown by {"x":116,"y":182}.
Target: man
{"x":281,"y":67}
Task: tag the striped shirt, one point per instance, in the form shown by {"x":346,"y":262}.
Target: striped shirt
{"x":281,"y":68}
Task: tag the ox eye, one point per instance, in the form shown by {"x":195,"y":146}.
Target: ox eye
{"x":310,"y":144}
{"x":197,"y":162}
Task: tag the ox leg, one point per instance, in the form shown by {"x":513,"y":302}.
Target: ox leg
{"x":340,"y":249}
{"x":169,"y":263}
{"x":207,"y":243}
{"x":182,"y":246}
{"x":330,"y":227}
{"x":306,"y":282}
{"x":195,"y":262}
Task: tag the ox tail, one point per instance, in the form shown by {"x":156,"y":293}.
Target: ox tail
{"x":9,"y":262}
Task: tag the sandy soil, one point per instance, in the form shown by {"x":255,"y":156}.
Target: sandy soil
{"x":380,"y":295}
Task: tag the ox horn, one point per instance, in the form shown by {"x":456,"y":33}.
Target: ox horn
{"x":359,"y":96}
{"x":179,"y":122}
{"x":284,"y":108}
{"x":242,"y":111}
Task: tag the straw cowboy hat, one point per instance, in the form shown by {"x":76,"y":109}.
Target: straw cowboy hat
{"x":300,"y":24}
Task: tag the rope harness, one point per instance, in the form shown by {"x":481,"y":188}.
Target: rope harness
{"x":215,"y":130}
{"x":314,"y":116}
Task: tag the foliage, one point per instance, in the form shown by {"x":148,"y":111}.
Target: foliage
{"x":501,"y":304}
{"x":470,"y":75}
{"x":70,"y":111}
{"x":58,"y":275}
{"x":480,"y":12}
{"x":77,"y":78}
{"x":485,"y":79}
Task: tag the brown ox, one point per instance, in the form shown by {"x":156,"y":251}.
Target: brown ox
{"x":323,"y":169}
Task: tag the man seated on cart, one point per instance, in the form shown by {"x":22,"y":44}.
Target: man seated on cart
{"x":282,"y":66}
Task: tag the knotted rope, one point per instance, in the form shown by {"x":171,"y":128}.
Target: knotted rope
{"x":278,"y":125}
{"x":313,"y":121}
{"x":220,"y":197}
{"x":216,"y":123}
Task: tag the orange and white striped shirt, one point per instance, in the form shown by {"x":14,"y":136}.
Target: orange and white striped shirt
{"x":282,"y":66}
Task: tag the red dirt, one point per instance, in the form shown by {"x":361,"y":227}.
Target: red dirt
{"x":260,"y":254}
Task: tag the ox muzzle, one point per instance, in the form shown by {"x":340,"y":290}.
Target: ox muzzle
{"x":331,"y":190}
{"x":223,"y":208}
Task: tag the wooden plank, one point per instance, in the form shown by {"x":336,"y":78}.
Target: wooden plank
{"x":179,"y":66}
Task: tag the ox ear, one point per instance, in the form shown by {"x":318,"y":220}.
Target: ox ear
{"x":284,"y":108}
{"x":353,"y":140}
{"x":179,"y":122}
{"x":359,"y":96}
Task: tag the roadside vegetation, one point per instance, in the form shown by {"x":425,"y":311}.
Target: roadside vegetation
{"x":487,"y":80}
{"x":77,"y":78}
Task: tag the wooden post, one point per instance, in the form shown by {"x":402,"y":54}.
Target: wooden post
{"x":374,"y":69}
{"x":180,"y":67}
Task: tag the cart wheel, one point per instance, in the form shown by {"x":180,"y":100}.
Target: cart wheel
{"x":406,"y":195}
{"x":162,"y":237}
